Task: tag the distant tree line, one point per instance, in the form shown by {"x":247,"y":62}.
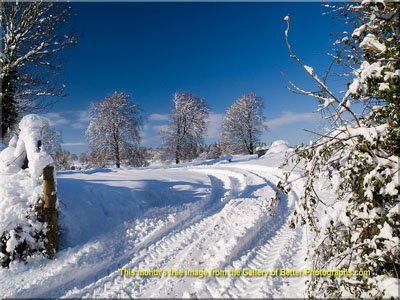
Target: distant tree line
{"x":116,"y":123}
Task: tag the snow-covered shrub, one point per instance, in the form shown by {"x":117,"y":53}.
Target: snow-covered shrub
{"x":22,"y":228}
{"x":359,"y":228}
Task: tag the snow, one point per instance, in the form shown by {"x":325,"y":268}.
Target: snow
{"x":21,"y":190}
{"x":26,"y":145}
{"x":363,"y":74}
{"x":391,"y":286}
{"x":214,"y":214}
{"x":370,"y":42}
{"x":383,"y":86}
{"x":366,"y":2}
{"x":277,"y":147}
{"x":309,"y":70}
{"x":193,"y":216}
{"x":358,"y":31}
{"x":16,"y":194}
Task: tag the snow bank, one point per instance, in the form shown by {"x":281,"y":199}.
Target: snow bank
{"x":8,"y":161}
{"x":278,"y":146}
{"x":21,"y":231}
{"x":18,"y":195}
{"x":216,"y":161}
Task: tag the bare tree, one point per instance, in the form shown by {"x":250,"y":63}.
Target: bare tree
{"x":187,"y":125}
{"x":31,"y":36}
{"x":243,"y":124}
{"x":114,"y":128}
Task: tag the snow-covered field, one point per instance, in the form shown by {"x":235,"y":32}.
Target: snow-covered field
{"x":212,"y":215}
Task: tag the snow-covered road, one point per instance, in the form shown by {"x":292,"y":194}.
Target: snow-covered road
{"x":200,"y":216}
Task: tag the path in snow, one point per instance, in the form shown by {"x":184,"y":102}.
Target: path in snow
{"x":194,"y":217}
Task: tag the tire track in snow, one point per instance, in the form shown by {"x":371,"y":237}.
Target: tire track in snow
{"x":232,"y":227}
{"x":189,"y":247}
{"x":224,"y":248}
{"x":114,"y":257}
{"x":274,"y":254}
{"x":283,"y":248}
{"x":164,"y":247}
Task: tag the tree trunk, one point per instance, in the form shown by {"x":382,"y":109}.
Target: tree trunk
{"x":251,"y":146}
{"x":9,"y":114}
{"x":177,"y":151}
{"x":117,"y":160}
{"x":116,"y":140}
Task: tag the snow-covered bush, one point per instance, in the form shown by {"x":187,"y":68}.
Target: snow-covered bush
{"x":359,"y":228}
{"x":22,"y":228}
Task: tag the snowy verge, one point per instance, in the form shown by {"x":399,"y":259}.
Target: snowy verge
{"x":21,"y":226}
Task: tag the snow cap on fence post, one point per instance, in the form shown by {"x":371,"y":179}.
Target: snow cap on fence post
{"x":31,"y":129}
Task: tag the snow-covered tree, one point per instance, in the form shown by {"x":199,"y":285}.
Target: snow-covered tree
{"x":243,"y":124}
{"x":187,"y":126}
{"x":114,"y":128}
{"x":213,"y":151}
{"x":32,"y":34}
{"x":62,"y":159}
{"x":51,"y":139}
{"x":74,"y":157}
{"x":136,"y":157}
{"x":97,"y":158}
{"x":359,"y":228}
{"x":84,"y":159}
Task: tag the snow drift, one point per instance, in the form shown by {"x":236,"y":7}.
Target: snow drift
{"x":279,"y":146}
{"x":21,"y":226}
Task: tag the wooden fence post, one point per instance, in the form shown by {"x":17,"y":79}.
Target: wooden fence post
{"x":50,"y":212}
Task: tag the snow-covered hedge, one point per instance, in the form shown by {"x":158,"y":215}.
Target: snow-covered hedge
{"x":359,"y":228}
{"x":22,"y":230}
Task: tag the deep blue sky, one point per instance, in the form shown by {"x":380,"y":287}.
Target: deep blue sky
{"x":218,"y":51}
